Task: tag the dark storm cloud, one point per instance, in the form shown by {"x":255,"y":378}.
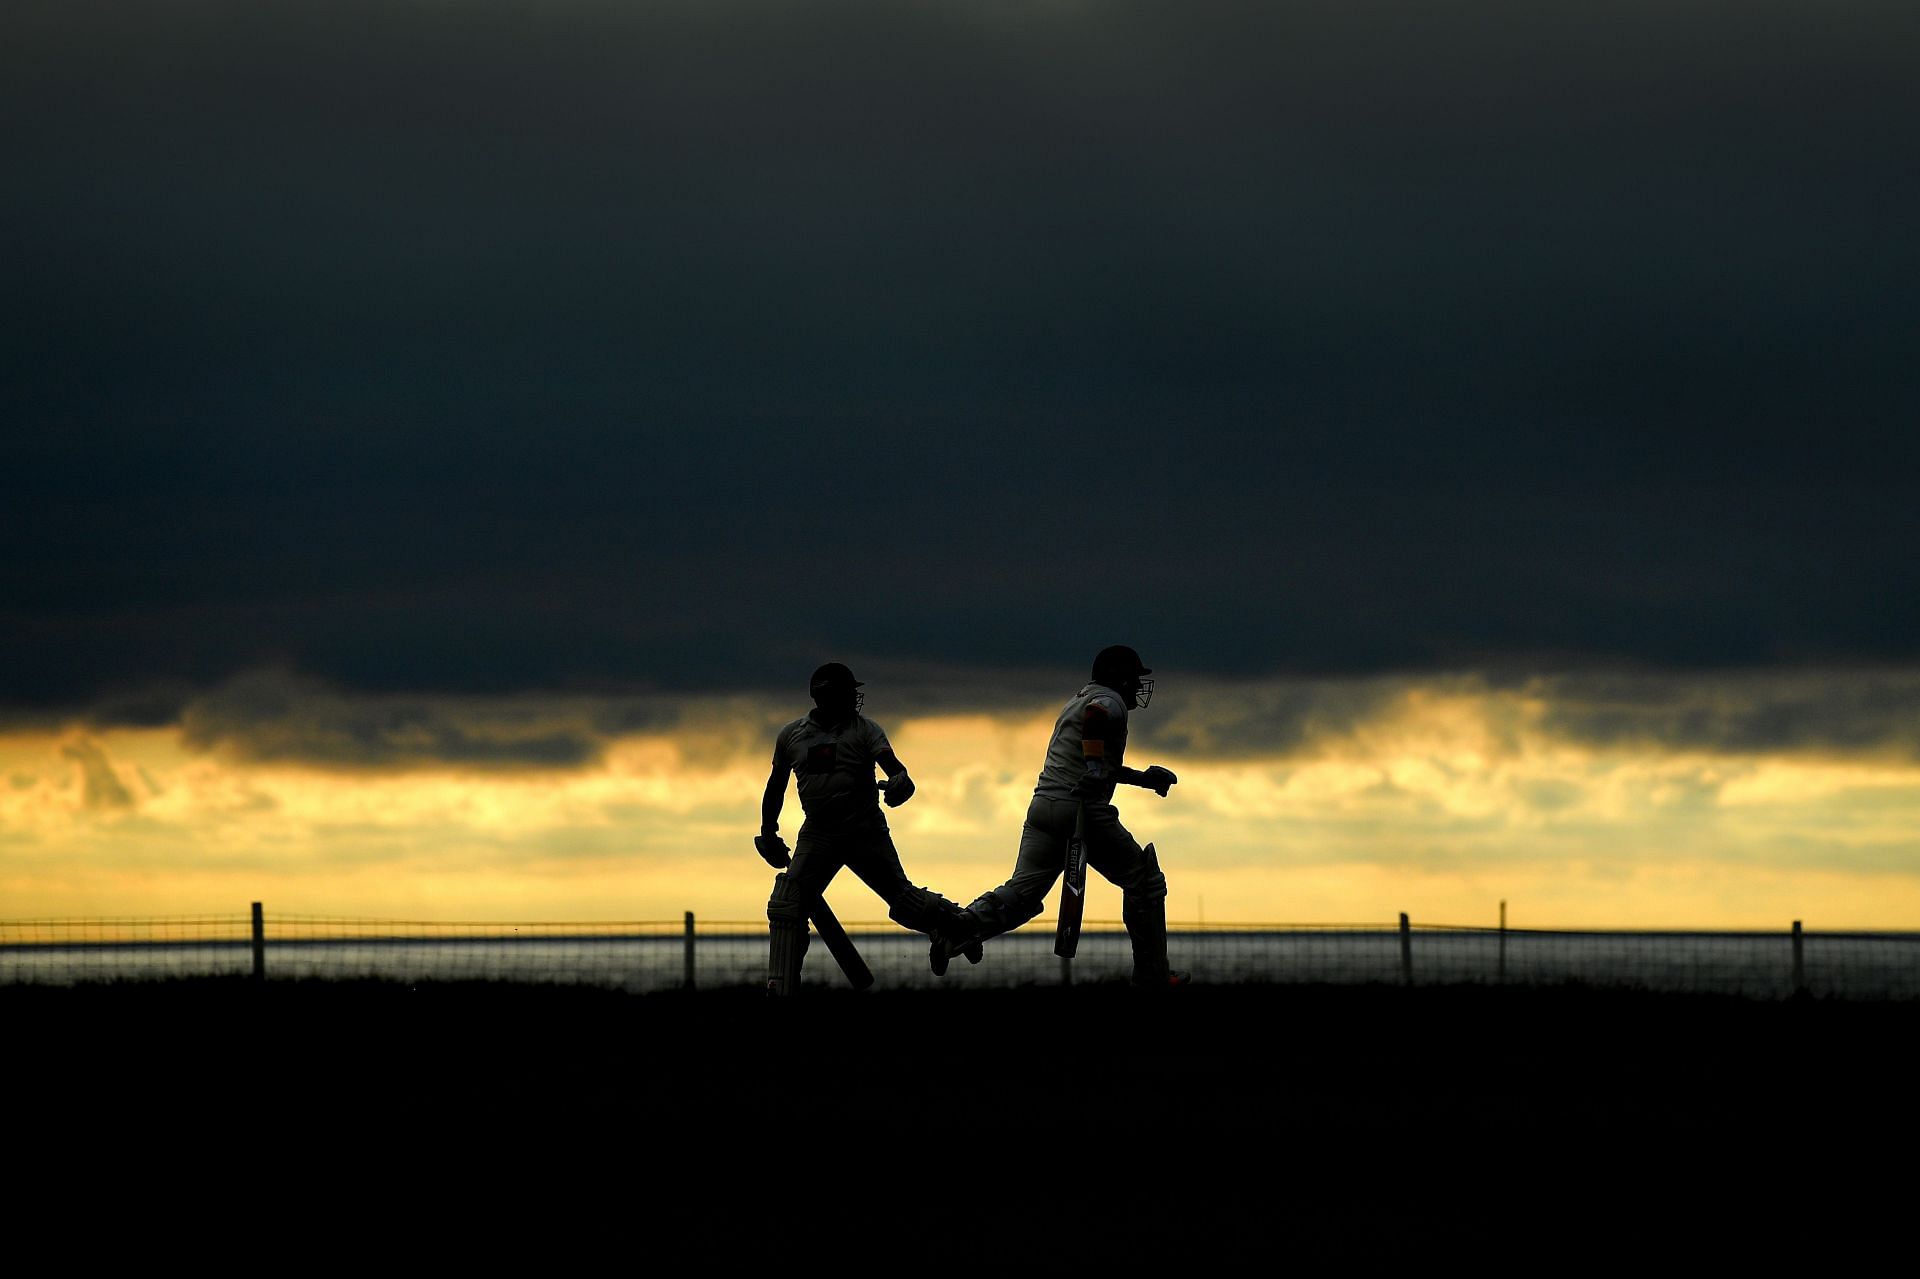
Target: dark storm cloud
{"x":1840,"y":712}
{"x":1264,"y":718}
{"x":281,"y":716}
{"x":277,"y":716}
{"x":271,"y":716}
{"x":1856,"y":713}
{"x":605,"y":347}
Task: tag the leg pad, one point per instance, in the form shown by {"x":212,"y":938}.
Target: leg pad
{"x":787,"y":937}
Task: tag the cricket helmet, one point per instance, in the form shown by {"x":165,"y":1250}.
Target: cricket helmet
{"x":1118,"y":666}
{"x":833,"y":681}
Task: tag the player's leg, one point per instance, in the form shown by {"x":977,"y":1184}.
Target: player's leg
{"x":877,"y":862}
{"x":910,"y":906}
{"x":815,"y":862}
{"x":1043,"y":853}
{"x":1113,"y":851}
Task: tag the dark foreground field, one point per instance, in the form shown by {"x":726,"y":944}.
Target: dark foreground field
{"x":561,"y":1127}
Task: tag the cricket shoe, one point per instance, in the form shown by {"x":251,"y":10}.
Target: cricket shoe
{"x":1173,"y":980}
{"x":944,"y":948}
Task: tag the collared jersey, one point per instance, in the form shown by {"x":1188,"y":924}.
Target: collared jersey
{"x":1089,"y":739}
{"x":833,"y":766}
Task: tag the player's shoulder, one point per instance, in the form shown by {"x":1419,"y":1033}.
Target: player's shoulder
{"x":871,"y":728}
{"x":790,"y":729}
{"x":1097,"y":699}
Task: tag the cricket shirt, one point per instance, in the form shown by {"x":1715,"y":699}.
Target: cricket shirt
{"x":1089,"y":740}
{"x":833,"y":766}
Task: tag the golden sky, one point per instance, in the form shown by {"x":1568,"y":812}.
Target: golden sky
{"x":1438,"y":797}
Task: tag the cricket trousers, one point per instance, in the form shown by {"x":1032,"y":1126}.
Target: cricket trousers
{"x":1111,"y":850}
{"x":865,"y":848}
{"x":867,"y":851}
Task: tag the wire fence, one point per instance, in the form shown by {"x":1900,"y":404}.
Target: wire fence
{"x":658,"y":955}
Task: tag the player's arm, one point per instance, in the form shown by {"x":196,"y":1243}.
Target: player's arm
{"x":1100,"y":745}
{"x":1156,"y":779}
{"x":775,"y":798}
{"x":899,"y":787}
{"x":768,"y":842}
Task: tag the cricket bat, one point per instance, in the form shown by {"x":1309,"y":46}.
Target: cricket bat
{"x":1073,"y":891}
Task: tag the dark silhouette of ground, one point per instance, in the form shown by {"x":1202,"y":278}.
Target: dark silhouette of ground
{"x":1353,"y":1125}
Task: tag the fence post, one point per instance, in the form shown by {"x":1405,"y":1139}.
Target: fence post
{"x":1503,"y":942}
{"x":1406,"y":949}
{"x":689,"y":950}
{"x":259,"y":945}
{"x":1799,"y":963}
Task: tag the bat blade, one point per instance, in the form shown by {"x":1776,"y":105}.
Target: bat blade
{"x":827,"y":924}
{"x":1073,"y":890}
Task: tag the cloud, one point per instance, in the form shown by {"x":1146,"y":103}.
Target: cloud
{"x":1821,"y":712}
{"x":668,"y":348}
{"x":1840,"y":712}
{"x":1256,"y":718}
{"x":101,"y":789}
{"x":281,"y":716}
{"x":278,"y":717}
